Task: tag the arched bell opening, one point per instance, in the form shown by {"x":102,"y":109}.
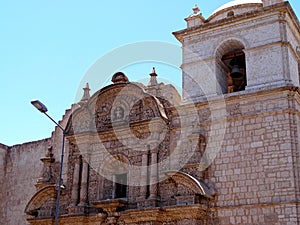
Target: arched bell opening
{"x":236,"y":71}
{"x":231,"y":70}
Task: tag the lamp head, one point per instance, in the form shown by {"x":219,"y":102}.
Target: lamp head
{"x":40,"y":106}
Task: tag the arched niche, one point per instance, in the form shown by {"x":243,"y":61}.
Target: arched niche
{"x":231,"y":66}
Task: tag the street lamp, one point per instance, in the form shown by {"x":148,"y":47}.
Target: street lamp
{"x":43,"y":109}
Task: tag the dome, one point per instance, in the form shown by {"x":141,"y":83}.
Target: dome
{"x":235,"y":3}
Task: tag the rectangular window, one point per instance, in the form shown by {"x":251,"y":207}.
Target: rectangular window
{"x":121,"y":185}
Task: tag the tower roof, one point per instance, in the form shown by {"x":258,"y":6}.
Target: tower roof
{"x":236,"y":3}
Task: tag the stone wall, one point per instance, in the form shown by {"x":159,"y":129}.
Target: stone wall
{"x":3,"y":150}
{"x":256,"y":172}
{"x":22,"y":169}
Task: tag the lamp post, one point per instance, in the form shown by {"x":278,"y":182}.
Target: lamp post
{"x":43,"y":109}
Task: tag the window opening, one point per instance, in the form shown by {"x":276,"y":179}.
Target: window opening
{"x":236,"y":67}
{"x":121,"y":185}
{"x":229,"y":14}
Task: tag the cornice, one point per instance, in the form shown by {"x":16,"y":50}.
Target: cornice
{"x":207,"y":25}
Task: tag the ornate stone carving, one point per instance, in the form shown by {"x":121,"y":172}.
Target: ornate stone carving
{"x":47,"y":174}
{"x":123,"y":105}
{"x":82,"y":121}
{"x":235,"y":110}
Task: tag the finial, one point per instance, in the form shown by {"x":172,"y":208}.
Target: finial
{"x":86,"y":93}
{"x":119,"y":77}
{"x":196,"y":9}
{"x":49,"y":153}
{"x":153,"y":80}
{"x":153,"y":72}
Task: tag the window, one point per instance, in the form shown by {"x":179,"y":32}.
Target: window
{"x":121,"y":185}
{"x":230,"y":13}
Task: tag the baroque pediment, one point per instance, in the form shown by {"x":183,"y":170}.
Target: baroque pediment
{"x":115,"y":106}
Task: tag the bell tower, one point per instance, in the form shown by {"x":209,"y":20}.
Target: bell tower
{"x":242,"y":46}
{"x":247,"y":54}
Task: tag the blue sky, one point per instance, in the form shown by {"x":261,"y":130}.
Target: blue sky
{"x":47,"y":47}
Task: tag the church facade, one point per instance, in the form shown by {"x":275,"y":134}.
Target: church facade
{"x":226,"y":151}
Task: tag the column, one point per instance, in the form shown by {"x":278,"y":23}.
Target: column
{"x":100,"y":188}
{"x":153,"y":176}
{"x":83,"y":188}
{"x":144,"y":176}
{"x":113,"y":194}
{"x":75,"y":185}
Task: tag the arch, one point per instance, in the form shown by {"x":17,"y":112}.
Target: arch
{"x":230,"y":13}
{"x":198,"y":187}
{"x":40,"y":198}
{"x":114,"y":164}
{"x":230,"y":44}
{"x":230,"y":57}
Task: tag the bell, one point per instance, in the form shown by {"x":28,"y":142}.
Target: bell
{"x":236,"y":72}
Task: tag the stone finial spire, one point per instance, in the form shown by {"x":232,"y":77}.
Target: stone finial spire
{"x":153,"y":80}
{"x":196,"y":18}
{"x":86,"y":93}
{"x":196,"y":10}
